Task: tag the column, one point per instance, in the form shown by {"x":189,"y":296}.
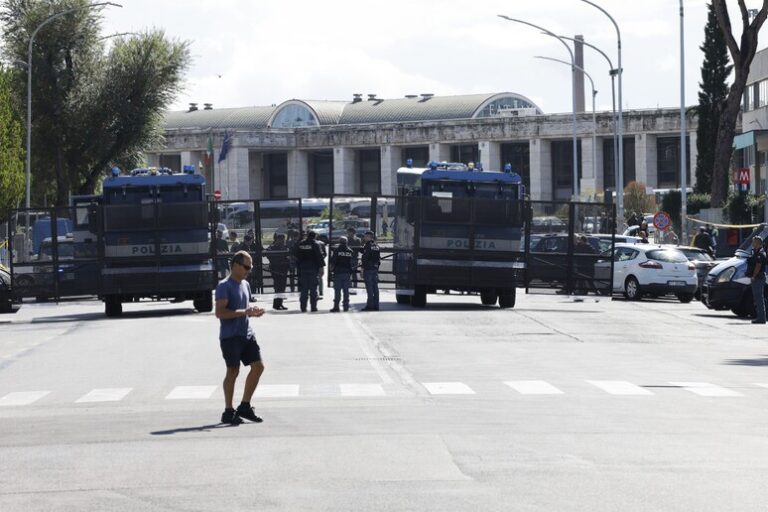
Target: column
{"x":235,"y":174}
{"x":439,"y":152}
{"x":692,"y":160}
{"x":298,"y":173}
{"x":187,"y":158}
{"x":541,"y":169}
{"x":490,"y":155}
{"x":646,"y":163}
{"x":256,"y":175}
{"x":391,"y":161}
{"x":591,"y":178}
{"x":344,"y":179}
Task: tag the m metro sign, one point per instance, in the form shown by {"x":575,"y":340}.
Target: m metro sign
{"x":741,"y":176}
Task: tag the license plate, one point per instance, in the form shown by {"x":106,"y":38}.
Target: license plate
{"x":676,"y":283}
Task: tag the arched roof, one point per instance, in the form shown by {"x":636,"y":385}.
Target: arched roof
{"x":331,"y":113}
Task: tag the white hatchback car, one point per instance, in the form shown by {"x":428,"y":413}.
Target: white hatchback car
{"x":647,"y":269}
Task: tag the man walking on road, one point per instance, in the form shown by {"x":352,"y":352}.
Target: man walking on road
{"x":342,"y":258}
{"x":309,"y":261}
{"x":371,"y":260}
{"x":236,"y":338}
{"x":756,"y":273}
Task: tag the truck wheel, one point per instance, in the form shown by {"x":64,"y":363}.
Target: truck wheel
{"x":419,"y":299}
{"x":488,"y":297}
{"x":507,"y":298}
{"x":112,"y":306}
{"x":403,"y":299}
{"x":204,"y":305}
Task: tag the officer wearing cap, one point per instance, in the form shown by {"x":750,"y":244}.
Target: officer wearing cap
{"x":371,"y":260}
{"x":309,"y":261}
{"x":341,"y":266}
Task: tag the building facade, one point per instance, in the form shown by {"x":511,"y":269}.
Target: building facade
{"x":304,"y":148}
{"x":752,"y":144}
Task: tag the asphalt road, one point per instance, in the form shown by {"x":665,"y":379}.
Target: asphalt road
{"x":555,"y":405}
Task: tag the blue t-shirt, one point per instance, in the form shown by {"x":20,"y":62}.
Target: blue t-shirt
{"x":238,"y":296}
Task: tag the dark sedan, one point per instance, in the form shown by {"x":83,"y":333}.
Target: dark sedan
{"x":703,"y":261}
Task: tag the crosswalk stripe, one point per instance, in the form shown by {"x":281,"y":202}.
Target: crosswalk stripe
{"x":277,"y":390}
{"x":22,"y":398}
{"x":361,"y":389}
{"x":533,"y":387}
{"x":104,"y":395}
{"x":619,"y":387}
{"x":448,"y":388}
{"x":706,"y":389}
{"x":761,"y":385}
{"x":191,"y":392}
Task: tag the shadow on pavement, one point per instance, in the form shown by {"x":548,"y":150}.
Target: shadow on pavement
{"x":760,"y":361}
{"x":201,"y":428}
{"x":83,"y":317}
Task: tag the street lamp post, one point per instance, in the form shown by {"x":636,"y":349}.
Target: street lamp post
{"x":29,"y":85}
{"x":573,"y":94}
{"x":683,"y":146}
{"x":612,"y":72}
{"x":594,"y":117}
{"x":620,"y":72}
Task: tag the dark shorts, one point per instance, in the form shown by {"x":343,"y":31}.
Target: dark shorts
{"x":240,"y":348}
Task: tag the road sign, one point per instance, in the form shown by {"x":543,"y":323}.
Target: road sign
{"x":662,"y":221}
{"x":217,"y":194}
{"x":742,"y":176}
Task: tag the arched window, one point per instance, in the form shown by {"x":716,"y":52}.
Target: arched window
{"x":503,"y":106}
{"x":294,"y":115}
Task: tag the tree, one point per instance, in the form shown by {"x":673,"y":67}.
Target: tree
{"x":11,"y":149}
{"x":637,"y":200}
{"x":713,"y":90}
{"x":742,"y":54}
{"x":92,"y":108}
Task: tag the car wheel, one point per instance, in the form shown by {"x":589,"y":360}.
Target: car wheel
{"x":507,"y":298}
{"x":419,"y":299}
{"x":204,"y":304}
{"x":685,"y":298}
{"x":488,"y":297}
{"x":402,"y":299}
{"x":632,"y":289}
{"x":746,"y":307}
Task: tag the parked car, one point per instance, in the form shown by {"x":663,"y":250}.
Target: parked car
{"x":6,"y":299}
{"x":549,"y":224}
{"x":727,"y":285}
{"x":548,"y":260}
{"x":606,"y":240}
{"x":647,"y":269}
{"x":703,"y":262}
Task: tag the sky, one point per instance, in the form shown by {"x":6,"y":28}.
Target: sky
{"x":264,"y":52}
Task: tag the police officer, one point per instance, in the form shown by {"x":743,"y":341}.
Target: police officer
{"x":371,"y":260}
{"x":277,"y":255}
{"x":756,"y":273}
{"x":342,"y":258}
{"x":354,"y":243}
{"x":309,"y":261}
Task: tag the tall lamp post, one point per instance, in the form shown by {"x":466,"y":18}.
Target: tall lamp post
{"x":573,"y":94}
{"x":620,"y":72}
{"x":612,"y":72}
{"x":29,"y":83}
{"x":683,"y":146}
{"x":594,"y":118}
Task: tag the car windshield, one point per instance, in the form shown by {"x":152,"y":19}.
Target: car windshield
{"x":667,"y":256}
{"x":694,"y":255}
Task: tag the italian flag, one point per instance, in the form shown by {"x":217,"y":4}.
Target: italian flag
{"x":209,"y":151}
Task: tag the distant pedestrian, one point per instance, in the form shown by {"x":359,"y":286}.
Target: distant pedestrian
{"x":354,"y":243}
{"x":703,"y":241}
{"x":584,"y":265}
{"x":236,"y":338}
{"x":277,"y":255}
{"x":309,"y":261}
{"x":341,"y":269}
{"x":234,"y":245}
{"x":221,"y":248}
{"x":371,"y":260}
{"x":384,"y":228}
{"x":756,"y":272}
{"x":633,"y":220}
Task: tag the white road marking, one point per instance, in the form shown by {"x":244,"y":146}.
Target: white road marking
{"x":619,"y":387}
{"x":448,"y":388}
{"x":22,"y":398}
{"x":364,"y":346}
{"x":277,"y":390}
{"x":761,"y":385}
{"x":361,"y":390}
{"x":104,"y":395}
{"x":533,"y":387}
{"x":706,"y":389}
{"x":191,"y":392}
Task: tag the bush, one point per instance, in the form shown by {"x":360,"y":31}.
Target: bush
{"x":744,"y":208}
{"x":636,"y":200}
{"x":697,"y":202}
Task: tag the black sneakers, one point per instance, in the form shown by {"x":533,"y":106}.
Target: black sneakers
{"x":246,"y":411}
{"x":230,"y":416}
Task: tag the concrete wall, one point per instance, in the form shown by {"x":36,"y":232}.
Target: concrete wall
{"x":646,"y":161}
{"x":541,"y":170}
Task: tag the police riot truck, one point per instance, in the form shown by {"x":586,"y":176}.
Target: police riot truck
{"x":155,"y":239}
{"x":460,"y":228}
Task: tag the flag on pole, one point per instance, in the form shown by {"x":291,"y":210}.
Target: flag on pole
{"x":225,"y":147}
{"x":209,"y":151}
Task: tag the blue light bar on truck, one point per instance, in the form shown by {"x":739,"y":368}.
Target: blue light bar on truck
{"x":115,"y":172}
{"x":189,"y":169}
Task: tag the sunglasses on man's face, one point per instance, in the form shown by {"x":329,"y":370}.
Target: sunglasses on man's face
{"x":246,"y":267}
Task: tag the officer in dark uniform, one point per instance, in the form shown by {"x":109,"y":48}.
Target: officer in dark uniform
{"x":277,"y":255}
{"x":756,"y":273}
{"x":309,"y":261}
{"x":342,"y":261}
{"x":371,"y":260}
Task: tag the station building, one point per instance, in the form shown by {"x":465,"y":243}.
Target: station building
{"x":305,"y":148}
{"x":752,"y":144}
